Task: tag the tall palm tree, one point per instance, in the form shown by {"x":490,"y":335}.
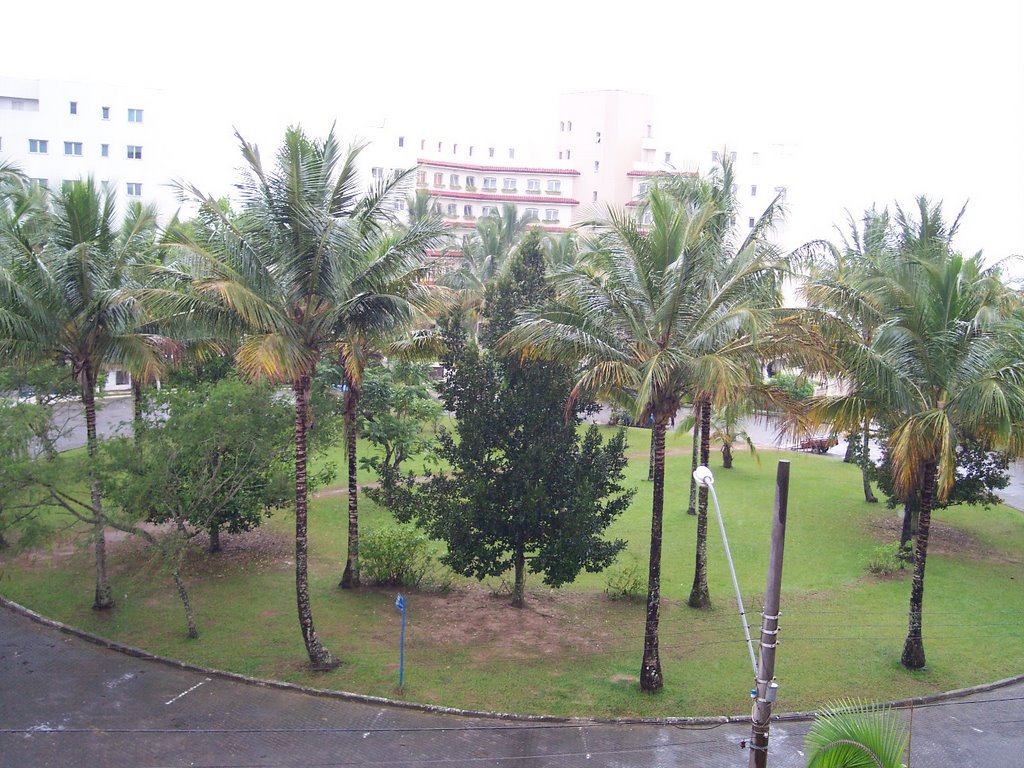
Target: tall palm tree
{"x":649,"y":316}
{"x":67,"y":301}
{"x":286,"y":273}
{"x":944,"y":365}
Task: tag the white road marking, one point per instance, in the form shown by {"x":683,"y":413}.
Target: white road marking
{"x":187,"y":692}
{"x":976,"y":729}
{"x":122,"y":679}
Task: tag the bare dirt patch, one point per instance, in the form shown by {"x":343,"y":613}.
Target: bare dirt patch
{"x":486,"y":625}
{"x":943,"y":539}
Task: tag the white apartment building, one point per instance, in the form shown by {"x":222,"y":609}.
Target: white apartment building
{"x":58,"y":131}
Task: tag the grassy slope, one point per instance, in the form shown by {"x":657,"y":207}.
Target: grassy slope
{"x":841,"y":630}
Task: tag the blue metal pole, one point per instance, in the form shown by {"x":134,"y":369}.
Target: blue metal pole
{"x":400,"y":605}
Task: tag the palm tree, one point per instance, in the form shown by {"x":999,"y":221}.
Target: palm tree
{"x":307,"y":252}
{"x":851,"y":734}
{"x":649,"y":316}
{"x":945,"y":365}
{"x":66,"y":301}
{"x":726,"y":431}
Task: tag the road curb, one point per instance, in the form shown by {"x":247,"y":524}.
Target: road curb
{"x":439,"y":710}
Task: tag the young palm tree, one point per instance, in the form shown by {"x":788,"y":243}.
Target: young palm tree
{"x":307,"y":253}
{"x":854,"y":735}
{"x":67,"y":301}
{"x":945,"y":364}
{"x":649,"y":316}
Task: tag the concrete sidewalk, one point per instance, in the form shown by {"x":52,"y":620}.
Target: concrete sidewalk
{"x":64,"y":701}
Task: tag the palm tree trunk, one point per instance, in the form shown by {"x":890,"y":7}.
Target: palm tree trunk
{"x":350,"y":578}
{"x":319,"y":657}
{"x":136,"y":403}
{"x":911,"y":509}
{"x":865,"y":462}
{"x":650,"y":668}
{"x":650,"y":459}
{"x":699,"y":595}
{"x":913,"y":648}
{"x":850,"y":448}
{"x":726,"y":456}
{"x":692,"y":509}
{"x":104,"y":599}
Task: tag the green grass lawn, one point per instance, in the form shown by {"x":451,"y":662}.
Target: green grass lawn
{"x":574,"y":651}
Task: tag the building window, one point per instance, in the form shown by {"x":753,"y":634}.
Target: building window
{"x":568,"y":126}
{"x":597,"y":166}
{"x":134,"y":115}
{"x":104,"y":150}
{"x":105,"y":112}
{"x":753,"y":190}
{"x":436,"y":209}
{"x":511,"y":153}
{"x":423,"y":143}
{"x":597,"y":137}
{"x":452,"y":210}
{"x":532,"y":213}
{"x":439,"y":179}
{"x":568,"y":154}
{"x":471,"y":182}
{"x":134,"y":189}
{"x":732,"y":156}
{"x":74,"y":107}
{"x":647,"y":219}
{"x":105,"y":185}
{"x":134,"y":152}
{"x":509,"y":185}
{"x":561,"y":126}
{"x":377,"y":172}
{"x":453,"y":180}
{"x":642,"y":187}
{"x":73,"y":148}
{"x":439,"y":145}
{"x":489,"y":210}
{"x":401,"y":141}
{"x":648,"y":131}
{"x":421,"y":177}
{"x":399,"y":204}
{"x":533,"y":185}
{"x":559,"y":155}
{"x":668,"y":157}
{"x":490,"y":182}
{"x":550,"y":214}
{"x":554,"y":186}
{"x":467,"y":211}
{"x":38,"y":146}
{"x":455,"y":149}
{"x":716,"y":157}
{"x":750,"y":222}
{"x":470,"y":150}
{"x":490,"y":151}
{"x":122,"y":379}
{"x":595,"y":195}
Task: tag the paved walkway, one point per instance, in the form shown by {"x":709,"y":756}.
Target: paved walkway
{"x":67,"y":702}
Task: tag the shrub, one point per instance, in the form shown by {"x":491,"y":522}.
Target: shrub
{"x":885,"y":560}
{"x":627,"y":582}
{"x":395,"y":556}
{"x":798,"y":387}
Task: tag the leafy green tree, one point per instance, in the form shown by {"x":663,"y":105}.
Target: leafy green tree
{"x":946,"y":366}
{"x":308,"y":253}
{"x":854,"y":735}
{"x":651,"y":317}
{"x":217,"y":458}
{"x":23,"y":426}
{"x":66,"y":302}
{"x":525,"y":492}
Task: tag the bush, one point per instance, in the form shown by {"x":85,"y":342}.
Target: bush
{"x":798,"y":387}
{"x":395,"y":556}
{"x":886,"y":560}
{"x":626,"y":583}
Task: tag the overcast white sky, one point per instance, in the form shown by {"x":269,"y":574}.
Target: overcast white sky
{"x":886,"y":100}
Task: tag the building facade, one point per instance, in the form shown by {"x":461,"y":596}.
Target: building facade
{"x":58,"y":131}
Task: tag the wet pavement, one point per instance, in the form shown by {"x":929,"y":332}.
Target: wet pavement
{"x":68,"y":702}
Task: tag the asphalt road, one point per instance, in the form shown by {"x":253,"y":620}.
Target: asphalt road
{"x":67,"y":702}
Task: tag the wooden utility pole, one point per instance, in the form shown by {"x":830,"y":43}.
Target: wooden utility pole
{"x":766,"y":686}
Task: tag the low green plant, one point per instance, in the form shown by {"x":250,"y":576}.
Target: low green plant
{"x":395,"y":556}
{"x":627,"y":582}
{"x":798,"y":387}
{"x":851,"y":733}
{"x":885,"y":560}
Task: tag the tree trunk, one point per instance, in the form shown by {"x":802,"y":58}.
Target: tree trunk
{"x":700,"y":597}
{"x":350,"y":578}
{"x":913,"y":648}
{"x":848,"y":457}
{"x":214,"y":538}
{"x":650,"y":668}
{"x":650,"y":460}
{"x":519,"y":590}
{"x":865,"y":462}
{"x":190,"y":619}
{"x":104,"y":599}
{"x":726,"y":456}
{"x":692,"y":509}
{"x":911,"y":510}
{"x":319,"y":657}
{"x":136,"y":403}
